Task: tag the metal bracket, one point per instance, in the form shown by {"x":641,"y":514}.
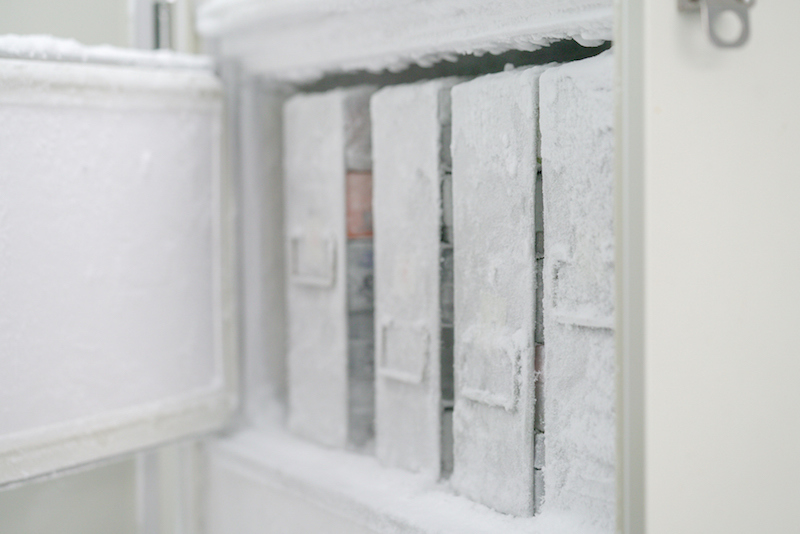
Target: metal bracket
{"x":163,"y":14}
{"x":714,"y":13}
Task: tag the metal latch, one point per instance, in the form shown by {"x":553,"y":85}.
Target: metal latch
{"x":727,"y":21}
{"x":163,"y":15}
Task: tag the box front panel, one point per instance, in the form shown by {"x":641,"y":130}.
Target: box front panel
{"x":576,"y":114}
{"x":329,"y":250}
{"x":408,"y":124}
{"x":494,"y":174}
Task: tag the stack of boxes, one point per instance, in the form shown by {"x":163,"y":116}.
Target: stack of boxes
{"x":447,"y":360}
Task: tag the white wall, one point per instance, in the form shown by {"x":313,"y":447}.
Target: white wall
{"x":97,"y":501}
{"x":94,"y":22}
{"x":88,"y":21}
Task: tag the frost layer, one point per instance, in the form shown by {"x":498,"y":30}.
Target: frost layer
{"x":577,"y":153}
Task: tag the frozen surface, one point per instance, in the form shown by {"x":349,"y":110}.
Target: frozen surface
{"x":262,"y":250}
{"x":108,"y":195}
{"x":305,"y":39}
{"x":345,"y":492}
{"x":407,"y":139}
{"x":494,"y":175}
{"x":46,"y":47}
{"x":577,"y":154}
{"x":314,"y":172}
{"x":330,"y":398}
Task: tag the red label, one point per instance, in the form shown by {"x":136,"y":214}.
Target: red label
{"x":359,"y":204}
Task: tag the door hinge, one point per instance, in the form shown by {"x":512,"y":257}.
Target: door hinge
{"x":727,"y":22}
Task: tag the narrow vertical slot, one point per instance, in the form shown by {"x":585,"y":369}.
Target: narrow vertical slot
{"x":360,"y":306}
{"x":446,"y":311}
{"x":538,"y":364}
{"x":359,"y":265}
{"x":361,"y":344}
{"x":446,"y":273}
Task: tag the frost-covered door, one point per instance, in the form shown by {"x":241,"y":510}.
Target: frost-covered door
{"x":709,"y":269}
{"x":115,"y":308}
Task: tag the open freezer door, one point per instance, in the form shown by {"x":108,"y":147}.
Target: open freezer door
{"x":116,"y":324}
{"x":708,"y":257}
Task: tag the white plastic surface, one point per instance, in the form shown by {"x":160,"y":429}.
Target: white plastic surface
{"x":709,"y":260}
{"x":111,"y":327}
